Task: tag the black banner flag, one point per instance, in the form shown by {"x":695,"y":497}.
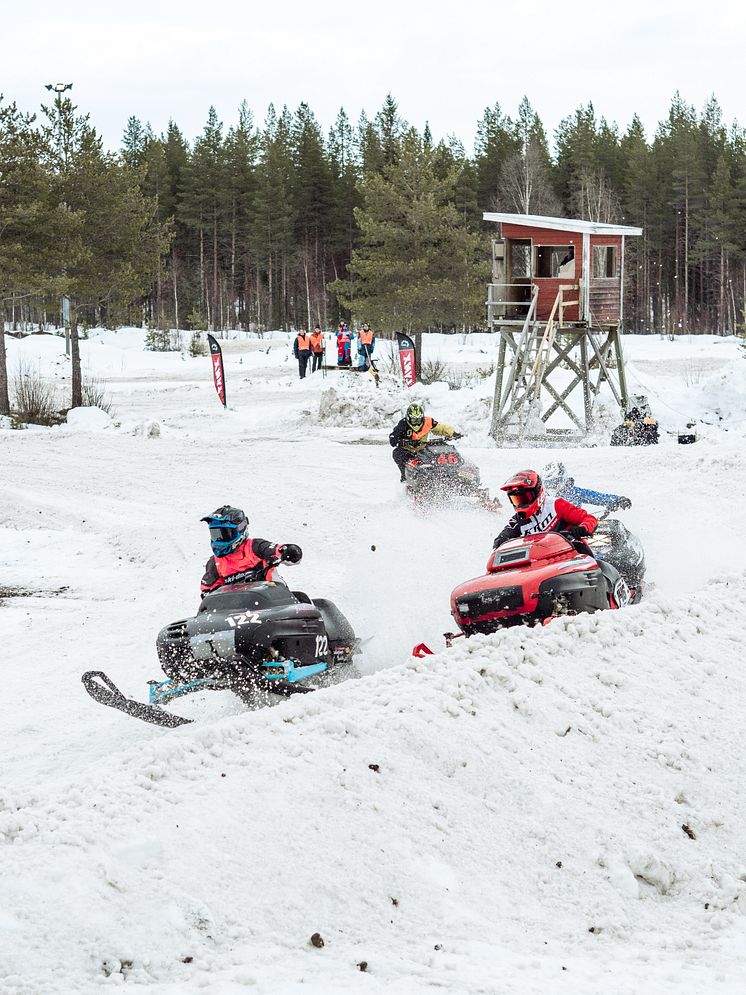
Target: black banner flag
{"x":407,"y":359}
{"x":216,"y":355}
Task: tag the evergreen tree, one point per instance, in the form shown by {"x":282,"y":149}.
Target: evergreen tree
{"x":418,"y":266}
{"x":35,"y":228}
{"x":111,"y":255}
{"x":203,"y":209}
{"x":677,"y":146}
{"x":134,"y":142}
{"x":344,"y":194}
{"x":241,"y":152}
{"x":311,"y":193}
{"x":496,"y":142}
{"x":272,"y":224}
{"x":640,"y":206}
{"x":525,"y":184}
{"x":390,"y":127}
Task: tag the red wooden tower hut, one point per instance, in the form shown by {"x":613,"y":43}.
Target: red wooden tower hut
{"x":557,"y":301}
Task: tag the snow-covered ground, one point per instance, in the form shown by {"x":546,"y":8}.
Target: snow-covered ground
{"x":504,"y":817}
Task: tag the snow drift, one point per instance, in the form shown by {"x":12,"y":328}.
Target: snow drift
{"x":562,"y":798}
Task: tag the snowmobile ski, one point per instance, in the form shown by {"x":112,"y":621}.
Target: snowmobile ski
{"x":103,"y":690}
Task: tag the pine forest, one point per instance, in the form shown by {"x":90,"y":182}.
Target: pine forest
{"x":275,"y":224}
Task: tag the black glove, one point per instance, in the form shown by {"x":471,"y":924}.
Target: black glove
{"x":457,"y":435}
{"x":291,"y":553}
{"x":624,"y":503}
{"x":578,"y":531}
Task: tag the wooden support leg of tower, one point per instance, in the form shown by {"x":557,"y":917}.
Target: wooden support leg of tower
{"x":559,"y":402}
{"x":587,"y":401}
{"x":494,"y":427}
{"x":621,"y":373}
{"x":602,"y":355}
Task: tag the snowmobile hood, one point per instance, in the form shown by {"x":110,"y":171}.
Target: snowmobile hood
{"x":530,"y":551}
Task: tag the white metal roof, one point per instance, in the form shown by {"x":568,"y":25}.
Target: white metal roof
{"x":562,"y":224}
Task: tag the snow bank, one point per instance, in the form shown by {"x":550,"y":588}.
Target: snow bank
{"x":559,"y":803}
{"x":565,"y":798}
{"x":360,"y":405}
{"x":88,"y":419}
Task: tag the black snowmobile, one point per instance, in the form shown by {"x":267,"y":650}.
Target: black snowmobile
{"x":247,"y":638}
{"x":613,"y":543}
{"x":438,"y":473}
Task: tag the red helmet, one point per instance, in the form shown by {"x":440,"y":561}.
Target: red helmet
{"x":526,"y":492}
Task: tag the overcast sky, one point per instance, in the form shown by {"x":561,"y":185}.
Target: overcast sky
{"x":444,"y":62}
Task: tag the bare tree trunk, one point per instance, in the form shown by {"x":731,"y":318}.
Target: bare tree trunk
{"x":232,"y":290}
{"x":418,"y":353}
{"x":202,"y":287}
{"x":308,"y":289}
{"x":677,"y":267}
{"x":721,"y":304}
{"x":686,"y":254}
{"x":77,"y":379}
{"x":4,"y":395}
{"x":215,"y":287}
{"x":270,"y":302}
{"x":176,"y":293}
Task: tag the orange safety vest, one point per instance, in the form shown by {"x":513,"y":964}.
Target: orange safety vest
{"x":304,"y":341}
{"x":366,"y":337}
{"x":427,"y":426}
{"x":317,"y":342}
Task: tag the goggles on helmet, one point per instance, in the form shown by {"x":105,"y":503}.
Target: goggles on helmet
{"x":223,"y":533}
{"x":520,"y":498}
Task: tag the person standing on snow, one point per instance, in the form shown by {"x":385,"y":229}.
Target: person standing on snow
{"x":302,"y":351}
{"x":344,"y":345}
{"x":366,"y":345}
{"x":317,"y":348}
{"x":557,"y":482}
{"x":236,"y":558}
{"x":410,"y":434}
{"x":536,"y":513}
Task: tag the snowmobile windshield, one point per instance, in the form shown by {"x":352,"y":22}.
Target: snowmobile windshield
{"x":252,"y":597}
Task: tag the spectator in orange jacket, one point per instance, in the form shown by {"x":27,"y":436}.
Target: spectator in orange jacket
{"x":317,"y":348}
{"x":302,"y":351}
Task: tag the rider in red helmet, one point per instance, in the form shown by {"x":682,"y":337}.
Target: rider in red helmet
{"x":535,"y":512}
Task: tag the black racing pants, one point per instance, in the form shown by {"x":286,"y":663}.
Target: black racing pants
{"x":400,"y":457}
{"x":318,"y":359}
{"x":303,"y":356}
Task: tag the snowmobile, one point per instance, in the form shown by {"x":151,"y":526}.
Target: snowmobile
{"x":246,"y":638}
{"x":437,"y":473}
{"x":536,"y":578}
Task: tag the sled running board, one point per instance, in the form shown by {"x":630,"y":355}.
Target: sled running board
{"x":105,"y":692}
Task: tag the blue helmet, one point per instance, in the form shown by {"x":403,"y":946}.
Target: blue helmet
{"x":228,"y":529}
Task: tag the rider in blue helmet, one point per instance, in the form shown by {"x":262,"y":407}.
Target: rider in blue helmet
{"x":236,"y":558}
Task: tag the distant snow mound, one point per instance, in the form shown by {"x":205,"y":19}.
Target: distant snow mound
{"x":150,"y":429}
{"x":88,"y":419}
{"x":356,"y":407}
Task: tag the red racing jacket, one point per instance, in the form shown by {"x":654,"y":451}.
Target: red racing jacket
{"x":250,"y":562}
{"x":555,"y":515}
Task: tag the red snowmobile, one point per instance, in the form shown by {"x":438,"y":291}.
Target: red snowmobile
{"x":536,"y":578}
